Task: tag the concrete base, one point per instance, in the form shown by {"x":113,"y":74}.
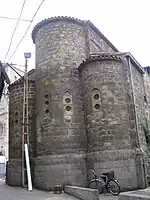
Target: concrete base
{"x":13,"y":172}
{"x":64,"y":169}
{"x":135,"y":195}
{"x":82,"y":193}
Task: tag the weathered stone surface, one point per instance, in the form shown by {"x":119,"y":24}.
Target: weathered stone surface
{"x":85,"y":118}
{"x":15,"y":128}
{"x":13,"y":176}
{"x":59,"y":169}
{"x":96,"y":43}
{"x":16,"y":116}
{"x":82,"y":193}
{"x":108,"y":125}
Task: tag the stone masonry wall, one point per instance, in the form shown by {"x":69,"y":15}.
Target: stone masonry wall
{"x":61,"y":136}
{"x":110,"y":125}
{"x":97,"y":44}
{"x":147,"y":99}
{"x":62,"y":42}
{"x":134,"y":134}
{"x":15,"y":129}
{"x":140,"y":103}
{"x":85,"y":118}
{"x":146,"y":95}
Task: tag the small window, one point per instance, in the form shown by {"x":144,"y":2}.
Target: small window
{"x":16,"y":121}
{"x":46,"y":102}
{"x":97,"y":106}
{"x":47,"y":111}
{"x":1,"y":130}
{"x":46,"y":96}
{"x":67,"y":93}
{"x":68,"y":108}
{"x":96,"y":96}
{"x":145,"y":98}
{"x":67,"y":100}
{"x":16,"y":113}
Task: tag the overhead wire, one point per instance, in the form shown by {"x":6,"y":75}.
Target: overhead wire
{"x":17,"y":68}
{"x":11,"y":18}
{"x":26,"y":29}
{"x":15,"y":29}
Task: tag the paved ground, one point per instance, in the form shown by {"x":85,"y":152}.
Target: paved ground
{"x":108,"y":197}
{"x":14,"y":193}
{"x":139,"y":194}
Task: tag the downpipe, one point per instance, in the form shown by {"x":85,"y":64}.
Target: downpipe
{"x":142,"y":163}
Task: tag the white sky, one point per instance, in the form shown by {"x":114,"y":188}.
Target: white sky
{"x":126,"y":23}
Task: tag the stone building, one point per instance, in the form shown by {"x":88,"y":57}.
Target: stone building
{"x":87,"y":101}
{"x":4,"y":118}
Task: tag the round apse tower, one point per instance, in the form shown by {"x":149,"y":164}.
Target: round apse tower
{"x":60,"y":136}
{"x":14,"y":165}
{"x":107,"y":116}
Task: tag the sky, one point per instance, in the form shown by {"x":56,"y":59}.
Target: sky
{"x":124,"y":22}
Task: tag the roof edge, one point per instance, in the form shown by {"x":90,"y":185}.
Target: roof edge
{"x":135,"y":62}
{"x":101,"y":35}
{"x":75,"y":20}
{"x":20,"y":80}
{"x":102,"y":56}
{"x":53,"y":19}
{"x":19,"y":83}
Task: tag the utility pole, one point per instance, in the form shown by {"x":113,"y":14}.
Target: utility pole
{"x":26,"y":172}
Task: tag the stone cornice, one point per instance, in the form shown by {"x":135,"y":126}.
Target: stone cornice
{"x":104,"y":56}
{"x":52,"y":20}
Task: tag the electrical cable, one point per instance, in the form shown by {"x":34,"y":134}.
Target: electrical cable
{"x":15,"y":30}
{"x":26,"y":29}
{"x":9,"y":65}
{"x":17,"y":68}
{"x":11,"y":18}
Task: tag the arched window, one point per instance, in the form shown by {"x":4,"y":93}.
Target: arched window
{"x":96,"y":99}
{"x":1,"y":130}
{"x":47,"y":103}
{"x":68,"y":106}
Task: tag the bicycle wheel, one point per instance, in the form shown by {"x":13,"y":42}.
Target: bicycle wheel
{"x":96,"y":184}
{"x":113,"y":187}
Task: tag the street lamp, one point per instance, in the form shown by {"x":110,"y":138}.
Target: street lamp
{"x":27,"y":56}
{"x":25,"y":138}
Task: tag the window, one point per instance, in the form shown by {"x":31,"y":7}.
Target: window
{"x":96,"y":99}
{"x":1,"y":130}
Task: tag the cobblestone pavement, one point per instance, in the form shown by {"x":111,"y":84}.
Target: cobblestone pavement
{"x":17,"y":193}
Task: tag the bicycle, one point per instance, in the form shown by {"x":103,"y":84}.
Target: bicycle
{"x":107,"y":182}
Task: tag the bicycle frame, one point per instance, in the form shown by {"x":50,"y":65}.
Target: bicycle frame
{"x":104,"y":182}
{"x":103,"y":177}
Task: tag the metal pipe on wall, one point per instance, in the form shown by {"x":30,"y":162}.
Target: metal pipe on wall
{"x":144,"y":179}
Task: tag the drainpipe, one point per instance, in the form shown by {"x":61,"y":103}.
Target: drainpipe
{"x":142,"y":163}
